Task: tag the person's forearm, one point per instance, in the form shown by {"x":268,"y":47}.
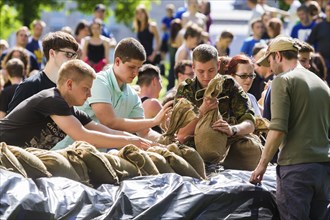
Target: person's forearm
{"x":149,"y":134}
{"x":187,"y":131}
{"x":245,"y":127}
{"x":103,"y":140}
{"x":130,"y":125}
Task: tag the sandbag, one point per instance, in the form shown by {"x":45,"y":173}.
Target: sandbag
{"x":77,"y":163}
{"x":178,"y":164}
{"x":139,"y":158}
{"x":56,"y":163}
{"x":190,"y":155}
{"x":182,"y":114}
{"x":123,"y":168}
{"x":99,"y":168}
{"x":160,"y":162}
{"x":82,"y":145}
{"x":211,"y":144}
{"x":244,"y":152}
{"x":9,"y":161}
{"x":33,"y":166}
{"x":194,"y":159}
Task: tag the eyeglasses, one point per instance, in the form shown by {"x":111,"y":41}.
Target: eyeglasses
{"x":191,"y":74}
{"x":69,"y":54}
{"x":245,"y":76}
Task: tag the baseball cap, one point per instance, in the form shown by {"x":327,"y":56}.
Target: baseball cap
{"x":99,"y":7}
{"x":280,"y":43}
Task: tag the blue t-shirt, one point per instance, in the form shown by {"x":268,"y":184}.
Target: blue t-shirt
{"x":248,"y":45}
{"x":35,"y":47}
{"x":167,"y":22}
{"x":302,"y":32}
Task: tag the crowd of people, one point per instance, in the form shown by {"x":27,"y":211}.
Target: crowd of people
{"x":63,"y":88}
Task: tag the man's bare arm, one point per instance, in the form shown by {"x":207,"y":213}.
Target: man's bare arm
{"x":72,"y":127}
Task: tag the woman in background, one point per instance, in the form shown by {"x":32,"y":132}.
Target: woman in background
{"x":95,"y":50}
{"x":147,"y":34}
{"x":241,"y":69}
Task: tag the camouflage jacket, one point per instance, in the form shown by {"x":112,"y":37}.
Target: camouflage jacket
{"x":234,"y":105}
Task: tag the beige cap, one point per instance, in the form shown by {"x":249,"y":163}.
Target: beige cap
{"x":280,"y":43}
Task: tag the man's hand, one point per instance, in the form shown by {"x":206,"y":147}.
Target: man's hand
{"x":163,"y":113}
{"x":207,"y":105}
{"x":258,"y":174}
{"x":141,"y":143}
{"x":223,"y":126}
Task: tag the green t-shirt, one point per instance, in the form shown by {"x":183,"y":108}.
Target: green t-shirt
{"x":125,"y":101}
{"x":300,"y":106}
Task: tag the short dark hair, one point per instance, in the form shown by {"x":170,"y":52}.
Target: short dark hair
{"x":226,"y":34}
{"x":287,"y":54}
{"x":180,"y":67}
{"x":318,"y":66}
{"x":58,"y":40}
{"x":304,"y":47}
{"x":15,"y":68}
{"x":128,"y":49}
{"x":204,"y":53}
{"x":80,"y":26}
{"x":147,"y":73}
{"x":193,"y":30}
{"x":257,"y":20}
{"x":303,"y":8}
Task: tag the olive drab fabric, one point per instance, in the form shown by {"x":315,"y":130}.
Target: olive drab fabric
{"x":211,"y":144}
{"x":181,"y":115}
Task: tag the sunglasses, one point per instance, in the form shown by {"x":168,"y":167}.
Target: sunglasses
{"x":245,"y":76}
{"x":69,"y":54}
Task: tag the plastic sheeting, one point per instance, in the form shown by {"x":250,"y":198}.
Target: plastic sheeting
{"x":226,"y":195}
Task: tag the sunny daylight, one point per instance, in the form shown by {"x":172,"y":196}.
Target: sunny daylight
{"x":165,"y":109}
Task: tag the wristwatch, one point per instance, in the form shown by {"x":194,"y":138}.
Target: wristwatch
{"x":234,"y":130}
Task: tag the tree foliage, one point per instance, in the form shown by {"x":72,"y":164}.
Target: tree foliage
{"x":123,"y":10}
{"x":8,"y":21}
{"x":15,"y":13}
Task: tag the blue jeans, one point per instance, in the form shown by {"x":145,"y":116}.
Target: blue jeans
{"x":303,"y":191}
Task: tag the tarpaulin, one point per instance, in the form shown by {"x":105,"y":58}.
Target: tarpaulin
{"x":225,"y":195}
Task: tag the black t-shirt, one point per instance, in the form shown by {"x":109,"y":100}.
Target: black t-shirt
{"x":6,"y":96}
{"x":30,"y":124}
{"x":29,"y":87}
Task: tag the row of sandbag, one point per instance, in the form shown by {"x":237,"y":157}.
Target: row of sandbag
{"x":84,"y":163}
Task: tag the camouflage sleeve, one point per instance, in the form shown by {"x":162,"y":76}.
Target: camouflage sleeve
{"x":186,"y":91}
{"x":240,"y":106}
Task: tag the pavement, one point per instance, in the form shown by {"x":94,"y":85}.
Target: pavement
{"x":225,"y":17}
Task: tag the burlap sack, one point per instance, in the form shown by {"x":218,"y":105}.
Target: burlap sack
{"x":33,"y":166}
{"x":194,"y":159}
{"x":139,"y":158}
{"x":211,"y":144}
{"x":244,"y":152}
{"x":99,"y":168}
{"x":123,"y":168}
{"x":178,"y":164}
{"x":182,"y":114}
{"x":174,"y":148}
{"x":261,"y":127}
{"x":9,"y":161}
{"x":77,"y":163}
{"x":82,"y":145}
{"x":160,"y":162}
{"x":56,"y":163}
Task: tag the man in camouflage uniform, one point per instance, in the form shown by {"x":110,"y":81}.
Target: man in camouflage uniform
{"x":238,"y":117}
